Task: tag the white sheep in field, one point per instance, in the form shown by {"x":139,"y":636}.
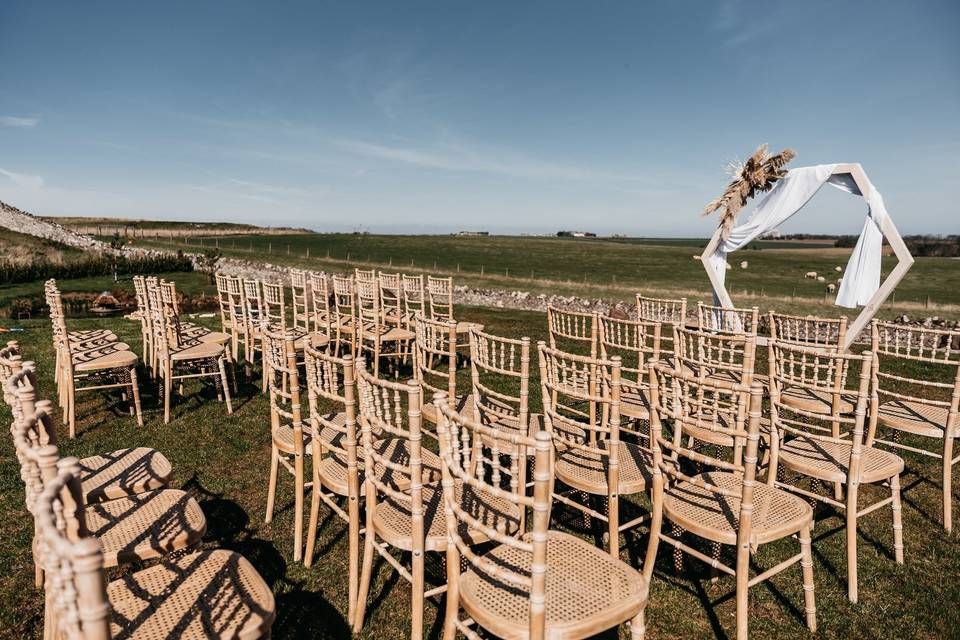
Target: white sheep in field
{"x":831,"y":288}
{"x":810,"y":274}
{"x":744,"y":264}
{"x":821,"y":279}
{"x":697,"y":257}
{"x":729,"y":267}
{"x":838,"y":269}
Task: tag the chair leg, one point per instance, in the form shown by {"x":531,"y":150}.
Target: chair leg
{"x":852,"y":543}
{"x":167,"y":392}
{"x":272,"y":487}
{"x":948,"y":484}
{"x":72,"y":407}
{"x":806,"y":565}
{"x":312,"y":526}
{"x":226,"y":385}
{"x":298,"y":506}
{"x":366,"y":571}
{"x":638,"y":627}
{"x":135,"y":392}
{"x":416,"y":611}
{"x":613,"y":525}
{"x":743,"y":589}
{"x":897,"y":518}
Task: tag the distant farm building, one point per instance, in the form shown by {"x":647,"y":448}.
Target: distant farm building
{"x":576,"y":234}
{"x":473,"y":233}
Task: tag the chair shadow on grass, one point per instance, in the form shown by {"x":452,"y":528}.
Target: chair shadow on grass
{"x":301,"y":613}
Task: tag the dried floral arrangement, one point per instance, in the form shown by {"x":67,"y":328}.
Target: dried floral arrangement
{"x":758,"y":174}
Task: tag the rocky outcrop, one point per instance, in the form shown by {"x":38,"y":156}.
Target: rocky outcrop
{"x":23,"y":222}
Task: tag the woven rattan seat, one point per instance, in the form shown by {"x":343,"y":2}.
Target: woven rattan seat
{"x":85,"y":335}
{"x":586,"y":587}
{"x":210,"y":594}
{"x":634,"y":403}
{"x":464,"y":405}
{"x":776,"y":513}
{"x":283,"y":439}
{"x":198,"y":351}
{"x":831,"y":460}
{"x":122,"y":473}
{"x":194,"y":332}
{"x":315,"y":340}
{"x":145,"y":526}
{"x":816,"y":400}
{"x":464,"y":327}
{"x":393,"y":523}
{"x":587,"y":470}
{"x":113,"y":360}
{"x":914,"y":417}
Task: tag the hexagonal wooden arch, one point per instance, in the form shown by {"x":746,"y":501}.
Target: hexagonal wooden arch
{"x":889,"y":230}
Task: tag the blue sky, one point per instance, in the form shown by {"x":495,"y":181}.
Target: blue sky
{"x":617,"y":117}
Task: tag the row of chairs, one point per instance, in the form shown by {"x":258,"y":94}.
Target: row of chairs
{"x":115,"y":510}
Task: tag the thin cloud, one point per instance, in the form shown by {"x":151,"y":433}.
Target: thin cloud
{"x":33,"y":183}
{"x":21,"y":122}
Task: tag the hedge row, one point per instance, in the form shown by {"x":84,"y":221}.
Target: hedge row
{"x":90,"y":266}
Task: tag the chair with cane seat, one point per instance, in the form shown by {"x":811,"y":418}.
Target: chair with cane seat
{"x":666,"y":311}
{"x":718,"y":498}
{"x":403,"y":495}
{"x":916,"y":388}
{"x":374,"y":335}
{"x":322,"y":315}
{"x":414,"y":297}
{"x":573,"y":331}
{"x":206,"y":594}
{"x":345,"y":323}
{"x":715,"y":319}
{"x":638,"y":344}
{"x":590,"y":457}
{"x":390,"y":289}
{"x":716,"y":356}
{"x":299,"y":301}
{"x":440,"y":298}
{"x":811,"y":444}
{"x":435,"y":366}
{"x":546,"y":584}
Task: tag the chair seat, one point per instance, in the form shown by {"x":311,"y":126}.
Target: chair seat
{"x":316,"y":340}
{"x":121,"y":358}
{"x":333,"y":474}
{"x":199,"y":351}
{"x":914,"y":417}
{"x":122,"y":473}
{"x":145,"y":526}
{"x":210,"y":594}
{"x":397,"y":451}
{"x":831,"y":460}
{"x":465,"y":327}
{"x":464,"y":407}
{"x":776,"y":513}
{"x":587,"y":470}
{"x":815,"y":400}
{"x":87,"y":335}
{"x":394,"y":524}
{"x":387,"y":334}
{"x":195,"y":333}
{"x":283,"y":439}
{"x":586,"y":589}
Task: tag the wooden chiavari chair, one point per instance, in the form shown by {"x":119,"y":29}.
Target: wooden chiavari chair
{"x":569,"y":330}
{"x":916,"y":391}
{"x":403,"y":493}
{"x":440,"y":298}
{"x":809,"y":443}
{"x":345,"y":314}
{"x":717,"y":356}
{"x":718,"y":498}
{"x":206,"y":594}
{"x":323,"y":316}
{"x":299,"y":301}
{"x":590,"y":457}
{"x":666,"y":311}
{"x":435,"y":366}
{"x":223,"y":302}
{"x":239,"y":322}
{"x":189,"y":332}
{"x":414,"y":297}
{"x":728,"y":319}
{"x":548,"y":584}
{"x":180,"y":359}
{"x":390,"y":289}
{"x":374,"y":335}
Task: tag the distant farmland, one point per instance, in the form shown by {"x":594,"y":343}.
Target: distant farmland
{"x":613,"y":268}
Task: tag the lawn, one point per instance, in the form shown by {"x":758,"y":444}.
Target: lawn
{"x":597,"y":267}
{"x":223,"y":461}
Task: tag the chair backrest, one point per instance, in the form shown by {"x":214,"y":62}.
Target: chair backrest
{"x":10,"y":364}
{"x":283,"y":381}
{"x":817,"y":371}
{"x":414,"y":297}
{"x":463,"y":463}
{"x":322,"y":316}
{"x":171,"y":309}
{"x":392,"y":454}
{"x":567,"y":382}
{"x":826,"y":333}
{"x":238,"y":303}
{"x":344,"y":298}
{"x":671,"y":311}
{"x":274,"y":304}
{"x":711,"y":412}
{"x":435,"y":357}
{"x":299,"y":298}
{"x":391,"y":298}
{"x":440,"y":294}
{"x":711,"y":354}
{"x":364,"y":275}
{"x":331,"y":393}
{"x":569,"y":329}
{"x":637,"y":343}
{"x":223,"y":298}
{"x":34,"y":441}
{"x":500,"y":372}
{"x":168,"y":292}
{"x":368,"y":304}
{"x":728,"y":319}
{"x":74,"y":582}
{"x":164,"y":338}
{"x":253,"y":300}
{"x":919,"y":366}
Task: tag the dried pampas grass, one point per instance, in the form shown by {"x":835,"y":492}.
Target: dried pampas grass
{"x":756,"y":175}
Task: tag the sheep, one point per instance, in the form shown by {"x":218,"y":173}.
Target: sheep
{"x":744,"y":264}
{"x":838,"y":269}
{"x":821,"y":279}
{"x":810,"y":274}
{"x":697,"y":257}
{"x":831,"y":288}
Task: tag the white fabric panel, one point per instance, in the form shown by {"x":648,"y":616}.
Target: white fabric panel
{"x":862,"y":277}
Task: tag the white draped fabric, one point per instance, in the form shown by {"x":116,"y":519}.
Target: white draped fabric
{"x":862,"y":276}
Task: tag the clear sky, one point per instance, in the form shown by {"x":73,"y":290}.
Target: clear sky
{"x":616,"y":117}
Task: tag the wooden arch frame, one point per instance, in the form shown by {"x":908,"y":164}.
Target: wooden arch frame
{"x":889,"y":230}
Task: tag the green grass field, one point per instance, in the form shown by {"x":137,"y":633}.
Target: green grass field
{"x":608,"y":268}
{"x":223,"y":461}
